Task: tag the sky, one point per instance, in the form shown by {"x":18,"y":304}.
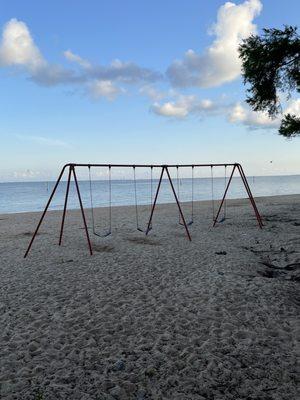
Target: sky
{"x":134,"y":82}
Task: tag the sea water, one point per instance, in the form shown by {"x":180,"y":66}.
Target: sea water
{"x":18,"y":197}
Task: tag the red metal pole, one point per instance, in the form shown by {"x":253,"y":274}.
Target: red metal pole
{"x":247,"y":187}
{"x":224,"y":196}
{"x":251,"y":198}
{"x":151,"y":165}
{"x":45,"y":210}
{"x":82,"y":211}
{"x":65,"y":207}
{"x":155,"y":199}
{"x":178,"y":205}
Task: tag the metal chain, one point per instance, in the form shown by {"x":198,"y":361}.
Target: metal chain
{"x":212,"y":191}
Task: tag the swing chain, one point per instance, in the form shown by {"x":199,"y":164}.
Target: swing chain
{"x":110,"y":196}
{"x":212,"y":192}
{"x":192,"y":220}
{"x":136,"y":199}
{"x":192,"y":200}
{"x":225,"y":184}
{"x":92,"y":204}
{"x":151,"y":193}
{"x":91,"y":199}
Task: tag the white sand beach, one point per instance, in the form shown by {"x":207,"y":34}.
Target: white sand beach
{"x":154,"y":317}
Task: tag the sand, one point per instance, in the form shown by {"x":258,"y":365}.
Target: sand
{"x":156,"y":317}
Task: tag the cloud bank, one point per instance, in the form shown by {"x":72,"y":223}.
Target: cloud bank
{"x":18,"y":49}
{"x":220,"y":63}
{"x":242,"y":114}
{"x":215,"y":66}
{"x":185,"y":106}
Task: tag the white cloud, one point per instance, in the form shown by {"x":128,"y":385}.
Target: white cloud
{"x":18,"y":48}
{"x":252,"y":119}
{"x":70,"y":56}
{"x":184,"y":106}
{"x":220,"y":63}
{"x":293,"y":108}
{"x":43,"y":141}
{"x":125,"y":72}
{"x":151,"y":92}
{"x":171,"y":109}
{"x":26,"y":174}
{"x":257,"y":119}
{"x":104,"y":88}
{"x":155,"y":94}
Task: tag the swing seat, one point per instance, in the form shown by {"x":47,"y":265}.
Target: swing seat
{"x":146,"y":231}
{"x":179,"y":183}
{"x":102,"y":236}
{"x":138,"y":228}
{"x":108,"y":232}
{"x":188,"y":223}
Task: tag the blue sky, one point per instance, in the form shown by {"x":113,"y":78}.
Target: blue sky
{"x":98,"y":82}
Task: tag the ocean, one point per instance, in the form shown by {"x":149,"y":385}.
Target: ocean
{"x":16,"y":197}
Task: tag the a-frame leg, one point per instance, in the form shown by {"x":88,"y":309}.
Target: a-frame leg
{"x":82,"y":212}
{"x":251,"y":198}
{"x":65,"y":207}
{"x":224,"y":196}
{"x":248,"y":190}
{"x":155,"y":200}
{"x":176,"y":199}
{"x":178,"y":205}
{"x":45,"y":210}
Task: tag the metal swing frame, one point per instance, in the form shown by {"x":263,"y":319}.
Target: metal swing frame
{"x":71,"y":167}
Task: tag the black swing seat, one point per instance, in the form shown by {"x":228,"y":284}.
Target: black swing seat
{"x":108,"y":232}
{"x":188,"y":223}
{"x":144,"y":231}
{"x":138,"y":228}
{"x":179,"y":183}
{"x":147,"y":230}
{"x":102,"y":236}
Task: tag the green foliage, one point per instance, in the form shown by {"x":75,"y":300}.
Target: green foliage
{"x":290,"y":126}
{"x":271,"y":63}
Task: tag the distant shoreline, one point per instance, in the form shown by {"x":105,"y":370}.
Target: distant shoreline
{"x":146,"y":179}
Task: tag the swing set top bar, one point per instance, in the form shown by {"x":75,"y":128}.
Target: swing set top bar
{"x":151,"y":165}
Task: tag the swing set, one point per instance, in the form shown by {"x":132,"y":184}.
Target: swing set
{"x":164,"y":169}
